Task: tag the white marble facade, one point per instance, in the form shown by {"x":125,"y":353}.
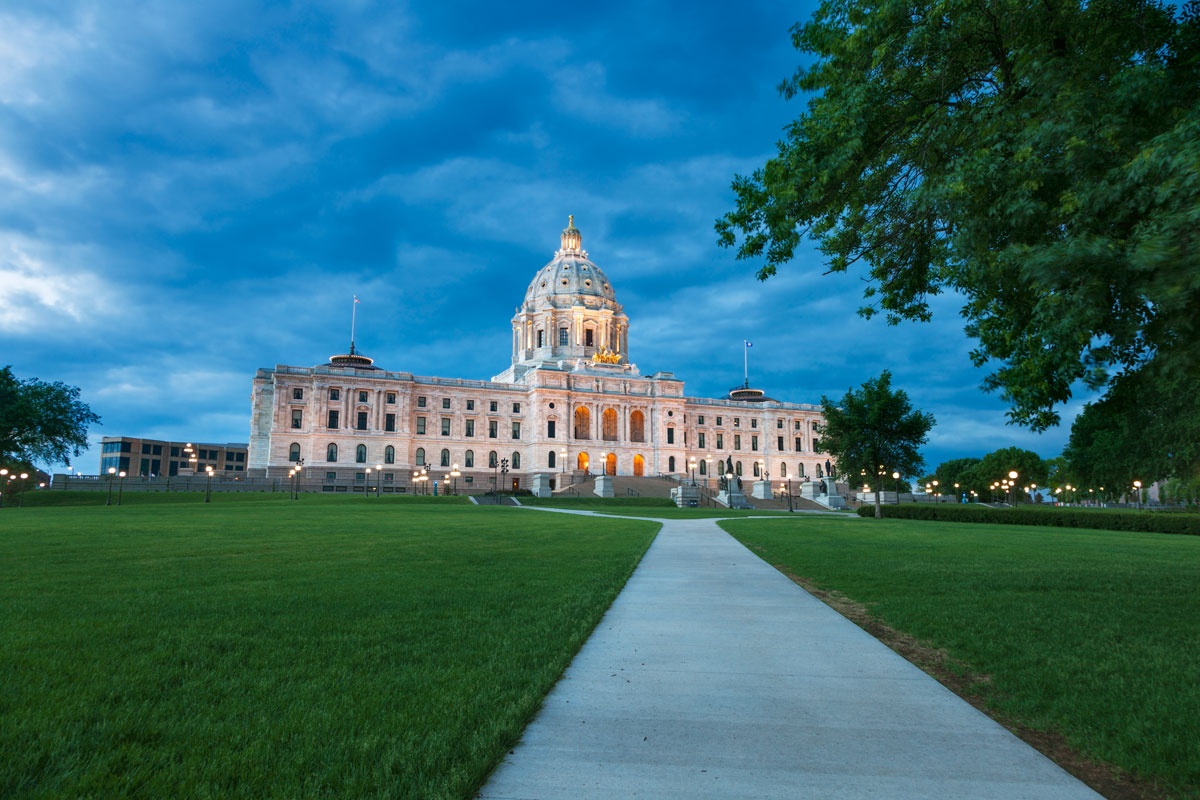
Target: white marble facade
{"x":571,"y":401}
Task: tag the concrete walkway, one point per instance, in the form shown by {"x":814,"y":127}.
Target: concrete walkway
{"x":714,"y":676}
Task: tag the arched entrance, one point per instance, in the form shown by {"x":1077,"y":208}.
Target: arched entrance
{"x":582,"y":462}
{"x":610,"y":464}
{"x":639,"y":466}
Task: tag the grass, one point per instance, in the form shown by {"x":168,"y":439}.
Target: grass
{"x":256,"y":648}
{"x":1092,"y":635}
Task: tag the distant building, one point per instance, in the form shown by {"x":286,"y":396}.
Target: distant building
{"x":156,"y":458}
{"x":570,"y":401}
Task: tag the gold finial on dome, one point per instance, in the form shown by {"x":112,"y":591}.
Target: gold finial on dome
{"x":572,"y":241}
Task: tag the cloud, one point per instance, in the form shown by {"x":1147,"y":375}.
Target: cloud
{"x":51,"y":293}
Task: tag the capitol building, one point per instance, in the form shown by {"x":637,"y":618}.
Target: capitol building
{"x":570,"y":404}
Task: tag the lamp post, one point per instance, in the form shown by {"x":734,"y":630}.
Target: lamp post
{"x":3,"y":481}
{"x":562,"y":456}
{"x":379,"y":480}
{"x":120,"y":486}
{"x":1012,"y":484}
{"x":937,"y":494}
{"x":296,"y":479}
{"x":454,"y":473}
{"x":503,"y":475}
{"x":111,"y":472}
{"x":896,"y":478}
{"x":367,"y":485}
{"x":208,"y":471}
{"x":692,"y":464}
{"x":707,"y":470}
{"x":1137,"y":487}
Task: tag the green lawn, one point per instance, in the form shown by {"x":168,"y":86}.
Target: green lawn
{"x":1094,"y":635}
{"x":256,"y":648}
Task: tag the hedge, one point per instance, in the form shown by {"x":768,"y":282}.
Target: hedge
{"x":1096,"y":519}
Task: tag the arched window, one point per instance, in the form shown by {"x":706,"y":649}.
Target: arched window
{"x":550,"y":460}
{"x":800,"y":467}
{"x":516,"y":461}
{"x":420,"y":456}
{"x":737,"y":468}
{"x":389,"y":455}
{"x":331,"y":453}
{"x":582,"y":462}
{"x":671,"y":464}
{"x":757,"y":469}
{"x":493,"y":459}
{"x":294,"y":452}
{"x":782,"y":470}
{"x":637,"y":427}
{"x":445,"y":458}
{"x":608,"y":421}
{"x":639,"y":466}
{"x":469,"y":458}
{"x":703,"y":467}
{"x":820,"y":472}
{"x":360,"y":454}
{"x":583,"y":423}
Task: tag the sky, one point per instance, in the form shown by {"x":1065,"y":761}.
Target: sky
{"x":192,"y":191}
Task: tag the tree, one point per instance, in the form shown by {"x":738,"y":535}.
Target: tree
{"x":41,"y":421}
{"x":997,"y":466}
{"x":1040,"y":159}
{"x":873,"y":432}
{"x":960,"y":472}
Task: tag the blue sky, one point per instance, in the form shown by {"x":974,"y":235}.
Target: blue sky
{"x":190,"y":191}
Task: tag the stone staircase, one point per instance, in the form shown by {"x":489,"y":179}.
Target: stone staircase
{"x":628,"y":486}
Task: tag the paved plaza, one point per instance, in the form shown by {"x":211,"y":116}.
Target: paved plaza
{"x":714,"y":676}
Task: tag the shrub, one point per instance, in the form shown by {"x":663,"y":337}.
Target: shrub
{"x":1093,"y":518}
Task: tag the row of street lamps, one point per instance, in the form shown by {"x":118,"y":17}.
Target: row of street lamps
{"x":9,"y":484}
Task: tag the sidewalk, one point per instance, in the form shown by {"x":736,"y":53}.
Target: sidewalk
{"x":714,"y":676}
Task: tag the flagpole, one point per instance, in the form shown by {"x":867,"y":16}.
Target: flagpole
{"x":353,"y":320}
{"x":746,"y":361}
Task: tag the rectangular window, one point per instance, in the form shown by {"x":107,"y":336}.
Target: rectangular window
{"x":670,"y":436}
{"x":174,"y":452}
{"x":700,"y":419}
{"x":718,"y":420}
{"x":470,"y":405}
{"x":779,"y":424}
{"x":390,"y":397}
{"x":720,"y":441}
{"x":737,"y":422}
{"x":331,"y":476}
{"x":550,"y":429}
{"x":516,"y":408}
{"x":362,"y":397}
{"x":239,"y":456}
{"x":229,"y":467}
{"x":445,"y":426}
{"x":737,"y":441}
{"x":157,"y":450}
{"x":516,"y":430}
{"x":493,"y":428}
{"x":362,"y":421}
{"x":563,"y":337}
{"x":156,"y":466}
{"x":126,"y":447}
{"x":445,"y":402}
{"x":173,"y":468}
{"x":779,"y":443}
{"x":420,"y":425}
{"x":700,"y":440}
{"x":541,"y":338}
{"x":753,"y":423}
{"x":297,"y":418}
{"x":389,"y":422}
{"x":470,"y":431}
{"x":797,"y":424}
{"x":492,"y":406}
{"x":799,"y":445}
{"x":754,"y":443}
{"x":589,"y":338}
{"x":145,"y":449}
{"x":420,"y":402}
{"x":145,"y":470}
{"x":335,"y":394}
{"x":297,"y":394}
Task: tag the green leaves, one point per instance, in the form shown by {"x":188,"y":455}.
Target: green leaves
{"x":1042,"y":160}
{"x":41,"y":421}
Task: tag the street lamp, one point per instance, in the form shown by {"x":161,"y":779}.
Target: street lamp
{"x":503,"y":475}
{"x":367,"y":485}
{"x":1012,"y":485}
{"x":120,"y":486}
{"x":562,"y":456}
{"x":1137,"y":485}
{"x":707,"y":469}
{"x":454,"y":473}
{"x":295,"y":475}
{"x":3,"y":481}
{"x":379,"y":480}
{"x":896,"y":478}
{"x":208,"y":471}
{"x":111,"y":472}
{"x":692,"y":464}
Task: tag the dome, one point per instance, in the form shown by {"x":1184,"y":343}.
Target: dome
{"x":570,"y":277}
